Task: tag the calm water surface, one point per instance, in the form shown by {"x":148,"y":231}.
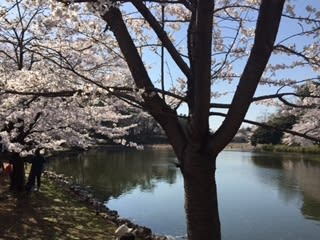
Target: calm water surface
{"x":262,"y":196}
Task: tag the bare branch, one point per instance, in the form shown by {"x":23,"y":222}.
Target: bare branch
{"x":280,"y":96}
{"x":264,"y":125}
{"x":162,"y":36}
{"x":218,"y":71}
{"x":65,"y":93}
{"x":299,"y":54}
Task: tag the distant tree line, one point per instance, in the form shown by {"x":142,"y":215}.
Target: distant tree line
{"x":271,"y":135}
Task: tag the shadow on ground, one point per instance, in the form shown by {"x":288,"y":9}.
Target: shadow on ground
{"x":48,"y":214}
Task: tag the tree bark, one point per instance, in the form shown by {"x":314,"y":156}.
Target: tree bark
{"x":265,"y":34}
{"x":17,"y":177}
{"x":201,"y":200}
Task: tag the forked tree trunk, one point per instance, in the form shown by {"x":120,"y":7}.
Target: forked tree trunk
{"x":201,"y":202}
{"x":17,"y":178}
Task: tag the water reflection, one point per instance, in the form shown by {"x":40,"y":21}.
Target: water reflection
{"x":112,"y":172}
{"x":261,"y":196}
{"x":306,"y":175}
{"x":299,"y":177}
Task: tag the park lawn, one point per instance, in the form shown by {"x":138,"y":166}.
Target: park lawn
{"x":51,"y":213}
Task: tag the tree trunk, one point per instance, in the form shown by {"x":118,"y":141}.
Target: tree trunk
{"x":17,"y":178}
{"x":201,"y":202}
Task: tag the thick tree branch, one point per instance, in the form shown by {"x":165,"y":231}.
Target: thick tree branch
{"x":201,"y":71}
{"x":33,"y":124}
{"x":165,"y":116}
{"x":23,"y":133}
{"x":191,"y":53}
{"x":64,"y":93}
{"x":265,"y":34}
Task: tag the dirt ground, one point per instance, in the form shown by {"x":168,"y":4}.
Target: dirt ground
{"x":51,"y":213}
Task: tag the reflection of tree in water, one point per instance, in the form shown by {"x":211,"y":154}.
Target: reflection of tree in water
{"x":267,"y":160}
{"x":299,"y":176}
{"x":114,"y":172}
{"x":306,"y":175}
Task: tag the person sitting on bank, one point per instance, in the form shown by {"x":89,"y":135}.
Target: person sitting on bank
{"x":36,"y":171}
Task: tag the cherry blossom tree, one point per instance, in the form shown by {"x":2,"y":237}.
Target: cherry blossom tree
{"x":307,"y":110}
{"x":206,"y":44}
{"x":42,"y":105}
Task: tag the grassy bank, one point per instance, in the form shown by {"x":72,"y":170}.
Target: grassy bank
{"x":285,"y":148}
{"x":239,"y":147}
{"x":51,"y":213}
{"x":272,"y":148}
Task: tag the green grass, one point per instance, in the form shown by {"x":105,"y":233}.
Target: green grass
{"x":51,"y":213}
{"x":285,"y":148}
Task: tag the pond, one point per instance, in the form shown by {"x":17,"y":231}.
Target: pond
{"x":262,"y":196}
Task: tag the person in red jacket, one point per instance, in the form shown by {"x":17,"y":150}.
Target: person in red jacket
{"x":8,"y":169}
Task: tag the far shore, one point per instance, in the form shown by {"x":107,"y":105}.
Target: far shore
{"x":229,"y":147}
{"x":247,"y":147}
{"x":239,"y":147}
